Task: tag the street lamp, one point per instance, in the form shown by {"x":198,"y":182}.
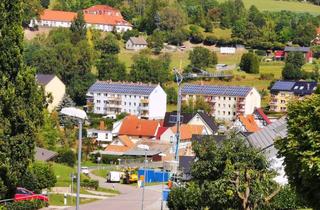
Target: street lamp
{"x":162,"y":155}
{"x":145,"y":148}
{"x":81,"y":116}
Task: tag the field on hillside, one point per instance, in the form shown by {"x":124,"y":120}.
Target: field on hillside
{"x":273,"y":5}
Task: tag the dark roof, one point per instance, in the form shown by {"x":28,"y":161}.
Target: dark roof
{"x":44,"y":79}
{"x":216,"y":90}
{"x":138,"y":41}
{"x":185,"y":163}
{"x":218,"y":138}
{"x":264,"y":138}
{"x":169,"y":122}
{"x":44,"y":154}
{"x":114,"y":87}
{"x":209,"y":121}
{"x":297,"y":49}
{"x":297,"y":87}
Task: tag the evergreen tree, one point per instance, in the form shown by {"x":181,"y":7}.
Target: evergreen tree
{"x":78,"y":28}
{"x":21,"y":101}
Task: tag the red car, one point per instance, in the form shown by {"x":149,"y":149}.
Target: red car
{"x":24,"y":194}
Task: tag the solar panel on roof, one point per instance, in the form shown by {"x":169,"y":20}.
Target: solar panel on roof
{"x":216,"y":90}
{"x":142,"y":89}
{"x":283,"y":85}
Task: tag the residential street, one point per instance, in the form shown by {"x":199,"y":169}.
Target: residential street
{"x":129,"y":199}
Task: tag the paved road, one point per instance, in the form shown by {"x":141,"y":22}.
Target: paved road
{"x":129,"y":199}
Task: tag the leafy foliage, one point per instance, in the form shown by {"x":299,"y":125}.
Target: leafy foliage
{"x":250,"y":63}
{"x":202,"y":57}
{"x":67,"y":157}
{"x":21,"y":104}
{"x":229,"y":175}
{"x":292,"y":68}
{"x":193,"y":106}
{"x":301,"y":149}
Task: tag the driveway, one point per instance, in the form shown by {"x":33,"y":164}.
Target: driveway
{"x":129,"y":199}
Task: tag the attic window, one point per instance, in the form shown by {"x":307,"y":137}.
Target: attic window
{"x":173,"y":118}
{"x":296,"y":87}
{"x":301,"y":87}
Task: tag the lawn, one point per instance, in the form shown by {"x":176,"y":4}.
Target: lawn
{"x":276,"y":5}
{"x":100,"y":172}
{"x":63,"y":173}
{"x":58,"y":200}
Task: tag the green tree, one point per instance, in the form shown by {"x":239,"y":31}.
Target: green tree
{"x":172,"y":95}
{"x":151,"y":20}
{"x":48,"y":135}
{"x":290,"y":72}
{"x":39,"y":176}
{"x":108,"y":45}
{"x":256,"y":17}
{"x":296,"y":59}
{"x":147,"y":69}
{"x":250,"y":63}
{"x":171,"y":19}
{"x":230,"y":175}
{"x":79,"y":86}
{"x":177,"y":37}
{"x":21,"y":101}
{"x":300,"y":148}
{"x":78,"y":28}
{"x":130,"y":33}
{"x":193,"y":106}
{"x":202,"y":57}
{"x":155,"y":41}
{"x":110,"y":68}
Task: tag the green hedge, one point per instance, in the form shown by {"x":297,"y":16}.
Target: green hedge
{"x":90,"y":184}
{"x":25,"y":205}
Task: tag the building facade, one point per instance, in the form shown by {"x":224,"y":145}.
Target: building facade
{"x":99,"y":17}
{"x":282,"y":92}
{"x":227,"y":102}
{"x":136,"y":43}
{"x":111,"y":98}
{"x":52,"y":86}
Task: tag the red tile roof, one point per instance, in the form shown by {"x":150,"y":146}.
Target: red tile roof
{"x":100,"y":7}
{"x":133,"y":126}
{"x":249,"y":123}
{"x":127,"y":144}
{"x":186,"y":131}
{"x":263,"y":115}
{"x":161,"y":130}
{"x":57,"y":15}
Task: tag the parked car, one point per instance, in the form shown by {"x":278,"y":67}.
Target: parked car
{"x":24,"y":194}
{"x":85,"y":170}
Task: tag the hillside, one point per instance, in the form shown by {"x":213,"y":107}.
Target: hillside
{"x":273,"y":5}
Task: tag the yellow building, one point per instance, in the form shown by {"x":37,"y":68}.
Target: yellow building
{"x":282,"y":92}
{"x":54,"y":87}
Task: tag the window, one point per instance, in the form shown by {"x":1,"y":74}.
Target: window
{"x":218,"y":105}
{"x":234,"y":114}
{"x":296,"y":87}
{"x":98,"y":108}
{"x":134,"y":96}
{"x":98,"y":101}
{"x":224,"y":98}
{"x":105,"y":94}
{"x":173,"y":118}
{"x":224,"y":112}
{"x":224,"y":106}
{"x":229,"y":105}
{"x":301,"y":88}
{"x":219,"y":112}
{"x":134,"y":104}
{"x":129,"y":103}
{"x":125,"y":103}
{"x":229,"y":98}
{"x":129,"y":96}
{"x":125,"y":96}
{"x":229,"y":113}
{"x":99,"y":94}
{"x":105,"y":101}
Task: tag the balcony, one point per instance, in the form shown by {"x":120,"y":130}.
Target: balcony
{"x":144,"y":108}
{"x":273,"y":102}
{"x":115,"y":105}
{"x":114,"y":98}
{"x":144,"y":101}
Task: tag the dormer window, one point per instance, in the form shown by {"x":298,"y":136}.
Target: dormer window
{"x":301,"y":88}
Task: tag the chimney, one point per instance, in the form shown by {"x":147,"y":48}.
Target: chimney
{"x":101,"y":126}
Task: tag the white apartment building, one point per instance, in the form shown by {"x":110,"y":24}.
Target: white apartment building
{"x":227,"y":102}
{"x":112,"y":98}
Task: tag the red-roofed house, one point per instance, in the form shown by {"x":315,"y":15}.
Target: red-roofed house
{"x":186,"y":132}
{"x":161,"y":130}
{"x":99,"y":17}
{"x":119,"y":146}
{"x":139,"y":128}
{"x":246,"y":124}
{"x":102,"y":10}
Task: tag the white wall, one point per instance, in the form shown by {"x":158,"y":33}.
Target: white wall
{"x":252,"y":101}
{"x":225,"y":107}
{"x":157,"y":103}
{"x":57,"y":90}
{"x":168,"y":136}
{"x":197,"y":120}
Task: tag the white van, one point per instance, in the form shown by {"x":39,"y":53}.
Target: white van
{"x":114,"y":176}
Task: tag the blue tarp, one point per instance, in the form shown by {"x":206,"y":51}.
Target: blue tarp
{"x":153,"y":175}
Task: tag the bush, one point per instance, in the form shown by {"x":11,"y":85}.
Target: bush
{"x":266,"y":76}
{"x":90,"y":184}
{"x":261,"y":52}
{"x":67,"y":157}
{"x":210,"y":40}
{"x":26,"y":205}
{"x":286,"y":199}
{"x":250,"y":63}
